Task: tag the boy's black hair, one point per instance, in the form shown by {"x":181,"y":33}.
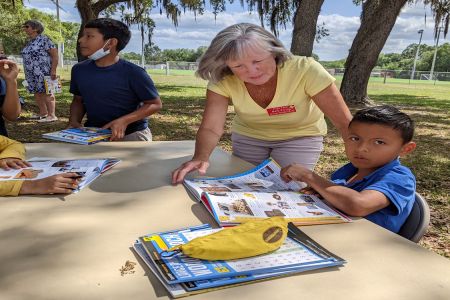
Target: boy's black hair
{"x":388,"y":116}
{"x":111,"y":28}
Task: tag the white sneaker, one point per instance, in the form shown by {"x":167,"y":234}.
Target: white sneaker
{"x":48,"y":119}
{"x":37,"y":117}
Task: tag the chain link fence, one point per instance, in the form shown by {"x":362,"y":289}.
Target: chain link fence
{"x":400,"y":75}
{"x":189,"y":68}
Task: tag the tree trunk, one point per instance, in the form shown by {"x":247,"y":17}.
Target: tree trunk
{"x":377,"y":20}
{"x":86,"y":14}
{"x":90,"y":11}
{"x":305,"y":27}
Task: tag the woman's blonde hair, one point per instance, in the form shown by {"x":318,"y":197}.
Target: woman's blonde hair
{"x":231,"y":43}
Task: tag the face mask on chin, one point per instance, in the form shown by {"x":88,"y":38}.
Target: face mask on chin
{"x":100,"y":52}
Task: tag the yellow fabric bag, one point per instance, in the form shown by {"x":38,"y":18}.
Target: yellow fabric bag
{"x":249,"y":239}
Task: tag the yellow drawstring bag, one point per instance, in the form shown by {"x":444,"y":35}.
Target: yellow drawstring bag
{"x":249,"y":239}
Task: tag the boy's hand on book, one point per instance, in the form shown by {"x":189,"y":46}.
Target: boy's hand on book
{"x":295,"y":172}
{"x":63,"y":183}
{"x":189,"y":166}
{"x":13,"y":163}
{"x":310,"y":191}
{"x":118,"y":128}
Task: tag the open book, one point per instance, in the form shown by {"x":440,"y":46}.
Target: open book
{"x":87,"y":169}
{"x":82,"y":135}
{"x":52,"y":86}
{"x":182,"y":275}
{"x":260,"y":193}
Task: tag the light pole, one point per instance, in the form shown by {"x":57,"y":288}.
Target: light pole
{"x":60,"y":43}
{"x":417,"y":54}
{"x":435,"y":53}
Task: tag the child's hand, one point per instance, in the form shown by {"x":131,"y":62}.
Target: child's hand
{"x":118,"y":127}
{"x":8,"y":69}
{"x":13,"y":163}
{"x":294,"y":172}
{"x":310,"y":191}
{"x":63,"y":183}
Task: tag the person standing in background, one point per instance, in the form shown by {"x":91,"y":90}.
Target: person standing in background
{"x":40,"y":58}
{"x":279,"y":100}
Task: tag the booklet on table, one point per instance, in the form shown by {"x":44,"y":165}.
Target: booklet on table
{"x":182,"y":275}
{"x":82,"y":135}
{"x":87,"y":169}
{"x":260,"y":193}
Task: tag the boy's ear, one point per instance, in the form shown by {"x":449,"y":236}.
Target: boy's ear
{"x":407,"y":148}
{"x":113,"y":43}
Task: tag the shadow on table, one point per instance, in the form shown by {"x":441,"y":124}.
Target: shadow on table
{"x":145,"y":176}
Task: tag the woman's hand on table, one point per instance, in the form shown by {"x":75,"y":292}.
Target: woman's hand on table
{"x":187,"y":167}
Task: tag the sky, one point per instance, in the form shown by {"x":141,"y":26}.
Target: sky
{"x":341,"y":18}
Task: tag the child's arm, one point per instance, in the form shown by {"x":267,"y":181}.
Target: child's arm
{"x":351,"y":202}
{"x":63,"y":183}
{"x":118,"y":126}
{"x":12,"y":154}
{"x":13,"y":163}
{"x":77,"y":112}
{"x":11,"y":105}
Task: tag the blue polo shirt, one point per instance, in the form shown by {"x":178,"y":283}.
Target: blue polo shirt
{"x":395,"y":181}
{"x":111,"y":92}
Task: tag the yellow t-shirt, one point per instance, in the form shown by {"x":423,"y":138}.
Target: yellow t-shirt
{"x":10,"y":148}
{"x":292,"y":113}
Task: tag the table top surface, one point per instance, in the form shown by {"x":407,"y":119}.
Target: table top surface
{"x":73,"y":247}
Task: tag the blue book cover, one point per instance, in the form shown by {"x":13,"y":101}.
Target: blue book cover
{"x":292,"y":256}
{"x":83,"y":135}
{"x":190,"y":287}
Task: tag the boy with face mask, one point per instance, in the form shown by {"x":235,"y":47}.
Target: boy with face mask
{"x":112,"y":92}
{"x":374,"y":184}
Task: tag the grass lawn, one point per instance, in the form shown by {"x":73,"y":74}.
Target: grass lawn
{"x":183,"y":98}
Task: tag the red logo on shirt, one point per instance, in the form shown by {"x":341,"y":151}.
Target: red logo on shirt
{"x":281,"y":110}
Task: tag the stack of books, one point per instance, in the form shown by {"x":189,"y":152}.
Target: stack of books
{"x":184,"y":276}
{"x":82,"y":135}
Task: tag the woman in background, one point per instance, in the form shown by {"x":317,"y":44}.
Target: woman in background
{"x":40,"y":58}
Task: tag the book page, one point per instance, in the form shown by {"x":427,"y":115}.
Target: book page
{"x":263,"y":178}
{"x":241,"y":206}
{"x":42,"y":168}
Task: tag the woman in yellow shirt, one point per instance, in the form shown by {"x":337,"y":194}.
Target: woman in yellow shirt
{"x":12,"y":154}
{"x":279,"y":100}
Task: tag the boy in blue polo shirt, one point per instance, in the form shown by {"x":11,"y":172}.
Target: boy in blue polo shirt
{"x":374,"y":184}
{"x":113,"y":92}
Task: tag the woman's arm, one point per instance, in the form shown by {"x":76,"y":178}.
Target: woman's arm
{"x":332,"y":104}
{"x":54,"y":59}
{"x":208,"y":135}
